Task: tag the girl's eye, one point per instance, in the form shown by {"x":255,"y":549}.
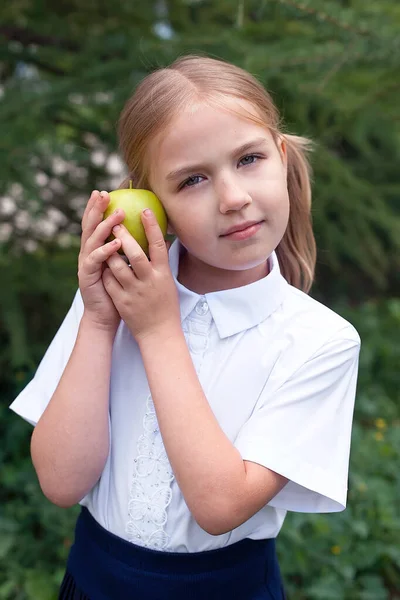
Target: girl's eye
{"x":191,"y":181}
{"x":249,"y":159}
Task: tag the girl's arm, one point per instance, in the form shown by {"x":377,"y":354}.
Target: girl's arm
{"x":221,"y":490}
{"x":70,"y":443}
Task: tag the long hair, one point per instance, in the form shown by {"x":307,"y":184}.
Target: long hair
{"x":166,"y":92}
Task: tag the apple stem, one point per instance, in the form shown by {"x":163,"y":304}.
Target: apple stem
{"x":130,"y":184}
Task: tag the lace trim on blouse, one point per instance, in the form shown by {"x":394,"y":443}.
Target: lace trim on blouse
{"x":150,"y":493}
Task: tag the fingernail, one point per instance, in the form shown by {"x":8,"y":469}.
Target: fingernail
{"x":103,"y":194}
{"x":116,"y":228}
{"x":147,"y":212}
{"x":116,"y":211}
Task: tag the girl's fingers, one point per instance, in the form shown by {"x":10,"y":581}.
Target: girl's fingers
{"x":120,"y":270}
{"x":95,"y":214}
{"x":158,"y":250}
{"x":89,"y":207}
{"x":103,"y":231}
{"x":112,"y":286}
{"x":94,"y":261}
{"x":137,"y":258}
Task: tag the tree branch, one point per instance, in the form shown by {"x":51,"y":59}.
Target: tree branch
{"x":324,"y":17}
{"x":29,"y":58}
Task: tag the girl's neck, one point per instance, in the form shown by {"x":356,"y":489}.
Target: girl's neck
{"x":203,"y":279}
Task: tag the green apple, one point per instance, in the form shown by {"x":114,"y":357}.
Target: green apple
{"x":133,"y":202}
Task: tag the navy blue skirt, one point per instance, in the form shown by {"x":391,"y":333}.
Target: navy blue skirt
{"x":102,"y":566}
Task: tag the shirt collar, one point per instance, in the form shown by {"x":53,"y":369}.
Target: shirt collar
{"x":237,"y":309}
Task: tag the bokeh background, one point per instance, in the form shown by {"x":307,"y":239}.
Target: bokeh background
{"x":333,"y":68}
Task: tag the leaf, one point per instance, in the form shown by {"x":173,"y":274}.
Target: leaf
{"x":39,"y":585}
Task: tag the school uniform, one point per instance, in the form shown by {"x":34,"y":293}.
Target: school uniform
{"x":279,"y":370}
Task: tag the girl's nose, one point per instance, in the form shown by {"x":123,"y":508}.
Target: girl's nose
{"x":232,"y":196}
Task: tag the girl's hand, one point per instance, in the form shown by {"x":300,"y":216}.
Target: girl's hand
{"x":144,"y":294}
{"x":99,"y":307}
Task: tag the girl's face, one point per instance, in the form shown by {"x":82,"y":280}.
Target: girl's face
{"x":214,"y":172}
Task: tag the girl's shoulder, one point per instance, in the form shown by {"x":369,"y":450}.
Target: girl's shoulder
{"x":313,"y":318}
{"x":304,"y":336}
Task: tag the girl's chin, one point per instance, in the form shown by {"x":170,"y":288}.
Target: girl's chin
{"x":244,"y":260}
{"x":244,"y":263}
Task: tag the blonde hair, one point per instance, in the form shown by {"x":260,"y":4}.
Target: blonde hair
{"x":166,"y":92}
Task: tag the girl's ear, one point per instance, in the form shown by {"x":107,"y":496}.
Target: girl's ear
{"x":282,"y":147}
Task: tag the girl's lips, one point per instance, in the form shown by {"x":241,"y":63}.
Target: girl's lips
{"x":244,"y":234}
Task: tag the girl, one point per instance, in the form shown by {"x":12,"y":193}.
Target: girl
{"x":188,"y":401}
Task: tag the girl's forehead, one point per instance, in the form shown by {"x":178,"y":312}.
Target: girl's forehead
{"x":203,"y":123}
{"x":216,"y":112}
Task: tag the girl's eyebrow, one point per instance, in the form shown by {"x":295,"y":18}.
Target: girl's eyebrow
{"x":198,"y":167}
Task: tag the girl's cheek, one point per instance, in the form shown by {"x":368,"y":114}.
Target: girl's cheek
{"x":274,"y":192}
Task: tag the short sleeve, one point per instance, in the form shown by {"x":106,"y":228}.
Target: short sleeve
{"x":34,"y":398}
{"x":303,"y":430}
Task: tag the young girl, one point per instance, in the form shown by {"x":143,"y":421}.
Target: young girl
{"x":188,"y":401}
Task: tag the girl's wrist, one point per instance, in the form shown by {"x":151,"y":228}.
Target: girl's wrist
{"x":93,"y":326}
{"x":159,"y":335}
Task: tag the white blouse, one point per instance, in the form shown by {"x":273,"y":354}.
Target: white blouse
{"x":279,"y":370}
